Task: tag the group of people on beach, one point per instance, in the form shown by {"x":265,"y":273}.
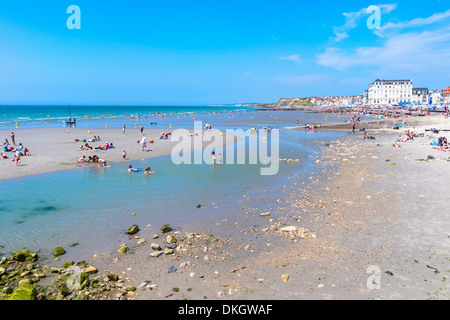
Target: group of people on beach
{"x":93,"y":159}
{"x":442,"y":144}
{"x":88,"y":147}
{"x":18,"y":152}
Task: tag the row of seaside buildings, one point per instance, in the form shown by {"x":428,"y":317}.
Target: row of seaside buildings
{"x":389,"y":92}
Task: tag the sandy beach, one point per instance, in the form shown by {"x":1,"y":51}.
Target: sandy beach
{"x":362,"y":208}
{"x":369,"y":223}
{"x":56,"y":149}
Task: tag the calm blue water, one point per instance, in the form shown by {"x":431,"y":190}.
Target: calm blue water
{"x":97,"y":116}
{"x":93,"y":206}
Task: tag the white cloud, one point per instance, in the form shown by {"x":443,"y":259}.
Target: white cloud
{"x":294,"y":57}
{"x":352,"y":20}
{"x":409,"y":52}
{"x":418,"y":22}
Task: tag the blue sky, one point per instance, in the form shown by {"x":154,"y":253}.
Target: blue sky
{"x":215,"y":52}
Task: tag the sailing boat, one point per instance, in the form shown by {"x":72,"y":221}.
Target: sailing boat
{"x":70,"y":122}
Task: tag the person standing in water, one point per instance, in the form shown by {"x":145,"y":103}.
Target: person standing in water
{"x":213,"y":156}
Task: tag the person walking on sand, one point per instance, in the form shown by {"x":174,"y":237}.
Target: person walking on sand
{"x":17,"y":158}
{"x":124,"y":155}
{"x":13,"y":139}
{"x":123,"y":129}
{"x":142,"y":130}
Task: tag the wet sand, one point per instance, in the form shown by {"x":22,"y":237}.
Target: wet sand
{"x":55,"y":149}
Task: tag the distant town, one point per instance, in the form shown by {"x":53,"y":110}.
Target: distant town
{"x":400,"y":92}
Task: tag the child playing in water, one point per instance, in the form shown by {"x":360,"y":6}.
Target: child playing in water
{"x":149,"y":171}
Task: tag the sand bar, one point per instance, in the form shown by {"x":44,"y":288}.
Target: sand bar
{"x":54,"y":149}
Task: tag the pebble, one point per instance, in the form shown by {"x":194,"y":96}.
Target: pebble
{"x":155,"y":246}
{"x":156,"y":254}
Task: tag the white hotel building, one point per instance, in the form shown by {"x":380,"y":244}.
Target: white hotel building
{"x":383,"y":92}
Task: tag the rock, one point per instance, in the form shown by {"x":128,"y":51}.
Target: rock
{"x":131,"y":288}
{"x":3,"y":260}
{"x":172,"y":269}
{"x":172,"y":239}
{"x":25,"y":273}
{"x":156,"y":254}
{"x":289,"y":229}
{"x":176,"y":289}
{"x":166,"y":228}
{"x":133,"y":229}
{"x":8,"y":290}
{"x":123,"y":249}
{"x":73,"y":244}
{"x":112,"y":276}
{"x":285,"y":278}
{"x":168,"y":251}
{"x":25,"y":281}
{"x":141,"y":242}
{"x":24,"y":255}
{"x":24,"y":291}
{"x":156,"y":246}
{"x":58,"y":251}
{"x":171,"y":245}
{"x":68,"y":264}
{"x":155,"y":236}
{"x":91,"y":270}
{"x":266,"y":214}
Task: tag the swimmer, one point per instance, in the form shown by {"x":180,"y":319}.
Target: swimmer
{"x":103,"y":164}
{"x":149,"y":171}
{"x":131,"y":169}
